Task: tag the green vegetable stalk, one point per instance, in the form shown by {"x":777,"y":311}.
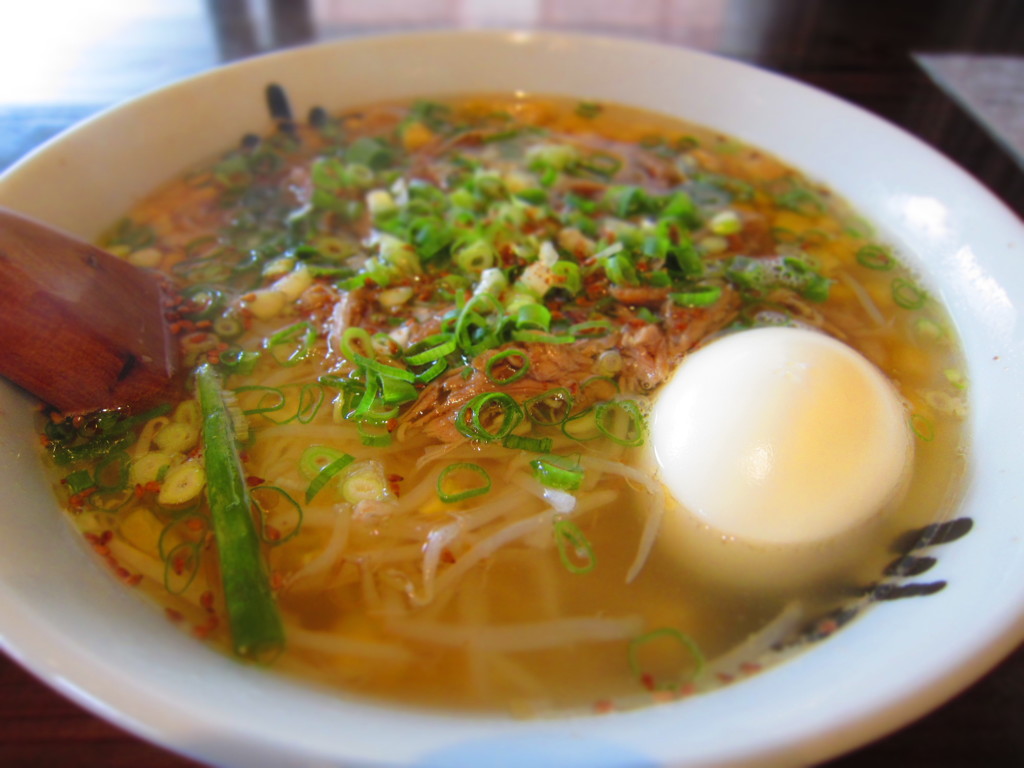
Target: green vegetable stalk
{"x":256,"y":629}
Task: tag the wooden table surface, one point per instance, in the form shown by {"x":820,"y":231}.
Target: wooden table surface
{"x":63,"y":60}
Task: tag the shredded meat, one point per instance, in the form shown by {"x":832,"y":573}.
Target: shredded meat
{"x":649,"y":354}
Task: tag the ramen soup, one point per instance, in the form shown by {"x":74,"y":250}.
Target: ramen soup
{"x":524,"y":405}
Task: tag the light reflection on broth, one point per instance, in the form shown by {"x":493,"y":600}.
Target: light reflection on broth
{"x":404,"y":580}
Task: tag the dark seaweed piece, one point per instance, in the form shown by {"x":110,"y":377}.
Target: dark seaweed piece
{"x":318,"y":117}
{"x":930,"y":535}
{"x":899,"y":591}
{"x":280,"y":109}
{"x":909,"y":566}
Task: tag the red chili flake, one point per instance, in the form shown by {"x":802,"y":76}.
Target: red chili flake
{"x":152,"y":486}
{"x":173,"y":615}
{"x":133,"y":580}
{"x":391,"y":425}
{"x":101,"y":549}
{"x":213,"y":358}
{"x":750,"y":667}
{"x":276,"y":580}
{"x":178,"y":564}
{"x":253,"y":480}
{"x":92,"y":538}
{"x":648,"y":681}
{"x":204,"y":324}
{"x":687,"y":689}
{"x":206,"y":600}
{"x":271,"y":533}
{"x":139,"y":491}
{"x":603,"y":707}
{"x":725,"y":678}
{"x":447,"y":556}
{"x":106,"y":537}
{"x":123,"y":572}
{"x":194,"y":524}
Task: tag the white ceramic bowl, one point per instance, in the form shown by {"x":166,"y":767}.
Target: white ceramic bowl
{"x":65,"y":618}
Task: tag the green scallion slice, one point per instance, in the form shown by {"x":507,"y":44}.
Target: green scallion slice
{"x":620,"y":421}
{"x":324,"y":475}
{"x":492,"y":407}
{"x":574,"y":548}
{"x":688,"y":645}
{"x":514,"y":363}
{"x":463,"y":469}
{"x":558,"y":472}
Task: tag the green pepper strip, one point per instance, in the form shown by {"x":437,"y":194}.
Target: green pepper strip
{"x":256,"y":628}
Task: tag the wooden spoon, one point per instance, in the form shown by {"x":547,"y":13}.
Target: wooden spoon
{"x":80,"y":328}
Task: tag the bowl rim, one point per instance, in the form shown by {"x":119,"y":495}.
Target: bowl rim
{"x":47,"y":654}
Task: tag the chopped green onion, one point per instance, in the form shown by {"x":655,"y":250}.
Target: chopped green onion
{"x":462,"y":468}
{"x":430,"y":349}
{"x":311,"y":397}
{"x":592,"y":329}
{"x":324,"y":475}
{"x":907,"y":294}
{"x":518,"y":369}
{"x":725,"y":223}
{"x":275,"y":405}
{"x":181,"y":566}
{"x":670,"y":633}
{"x":549,"y":409}
{"x":923,"y":427}
{"x":79,"y":481}
{"x":602,"y":164}
{"x":302,"y":336}
{"x":374,"y":435}
{"x":574,"y":549}
{"x":289,"y":520}
{"x":315,"y":458}
{"x":527,"y":443}
{"x":112,"y":472}
{"x":496,"y":407}
{"x":582,"y":426}
{"x":239,"y":361}
{"x":473,"y":333}
{"x":629,"y":433}
{"x":539,"y":337}
{"x":533,"y":317}
{"x":703,"y":296}
{"x":875,"y":257}
{"x":352,"y":340}
{"x":567,"y":276}
{"x":558,"y":472}
{"x":436,"y":369}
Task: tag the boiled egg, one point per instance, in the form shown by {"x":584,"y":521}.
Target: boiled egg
{"x":780,"y":437}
